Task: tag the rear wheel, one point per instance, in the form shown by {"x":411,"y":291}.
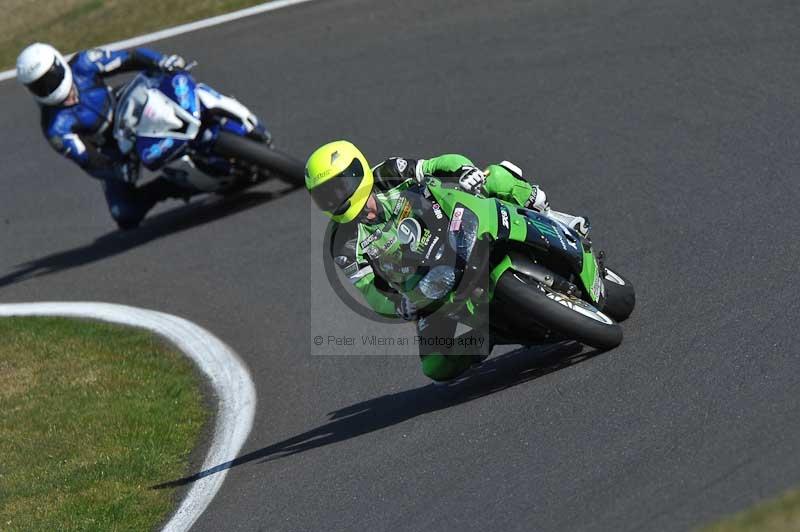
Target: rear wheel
{"x":535,"y":304}
{"x":620,"y":296}
{"x":284,"y":166}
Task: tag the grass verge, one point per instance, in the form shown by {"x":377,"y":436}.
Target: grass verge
{"x":91,"y":416}
{"x":72,"y":25}
{"x":778,"y":515}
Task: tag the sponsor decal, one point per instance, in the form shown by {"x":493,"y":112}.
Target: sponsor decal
{"x":532,"y":198}
{"x":409,"y":232}
{"x":561,"y":239}
{"x":424,"y":239}
{"x":455,"y":221}
{"x":400,"y":205}
{"x":180,"y":84}
{"x":598,"y":287}
{"x":406,"y":210}
{"x":351,"y":270}
{"x":154,"y":151}
{"x":374,"y":251}
{"x":551,"y":231}
{"x":371,"y":238}
{"x":437,"y":211}
{"x":402,"y":164}
{"x":431,"y":247}
{"x":503,"y":222}
{"x":565,"y":230}
{"x":323,"y":174}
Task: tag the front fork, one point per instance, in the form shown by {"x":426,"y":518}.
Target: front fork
{"x":258,"y":133}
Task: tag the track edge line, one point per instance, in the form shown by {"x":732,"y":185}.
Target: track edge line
{"x":227,"y":373}
{"x":185,"y":28}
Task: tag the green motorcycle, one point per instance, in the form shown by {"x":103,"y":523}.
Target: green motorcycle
{"x":524,"y":277}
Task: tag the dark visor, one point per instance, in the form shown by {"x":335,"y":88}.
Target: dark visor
{"x":49,"y":82}
{"x":334,"y":194}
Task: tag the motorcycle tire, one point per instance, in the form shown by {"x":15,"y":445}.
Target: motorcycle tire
{"x":286,"y":167}
{"x":536,"y":305}
{"x":620,"y":296}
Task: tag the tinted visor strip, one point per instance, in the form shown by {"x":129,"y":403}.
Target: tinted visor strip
{"x":50,"y":81}
{"x":334,"y":194}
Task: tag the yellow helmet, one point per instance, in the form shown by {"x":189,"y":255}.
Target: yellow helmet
{"x":339,"y":180}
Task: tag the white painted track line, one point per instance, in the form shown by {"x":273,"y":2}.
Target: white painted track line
{"x":236,"y":394}
{"x":186,"y":28}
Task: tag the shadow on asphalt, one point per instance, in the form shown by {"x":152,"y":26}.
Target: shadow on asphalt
{"x":160,"y":225}
{"x":494,"y":375}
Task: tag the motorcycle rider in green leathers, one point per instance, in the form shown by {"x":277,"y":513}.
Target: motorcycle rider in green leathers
{"x":367,"y":207}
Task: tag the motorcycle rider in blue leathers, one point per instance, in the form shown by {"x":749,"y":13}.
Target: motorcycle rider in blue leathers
{"x":77,"y":118}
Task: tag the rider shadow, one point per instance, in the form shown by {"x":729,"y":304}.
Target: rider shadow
{"x":494,"y":375}
{"x":154,"y":227}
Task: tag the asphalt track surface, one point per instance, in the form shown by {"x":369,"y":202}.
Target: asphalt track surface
{"x":671,"y":123}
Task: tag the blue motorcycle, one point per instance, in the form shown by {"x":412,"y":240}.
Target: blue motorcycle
{"x":196,"y":137}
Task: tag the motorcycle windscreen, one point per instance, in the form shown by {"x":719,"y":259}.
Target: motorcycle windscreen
{"x":129,"y":110}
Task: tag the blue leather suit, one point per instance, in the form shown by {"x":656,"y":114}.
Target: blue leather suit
{"x":82,"y":131}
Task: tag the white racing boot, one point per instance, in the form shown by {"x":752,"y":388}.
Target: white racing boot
{"x":538,"y":202}
{"x":579,"y":224}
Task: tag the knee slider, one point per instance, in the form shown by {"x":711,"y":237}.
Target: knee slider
{"x":127,"y":217}
{"x":444,"y":368}
{"x":512,"y":168}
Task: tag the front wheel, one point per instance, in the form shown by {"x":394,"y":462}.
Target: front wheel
{"x":251,"y":151}
{"x":620,"y":296}
{"x":535,"y":304}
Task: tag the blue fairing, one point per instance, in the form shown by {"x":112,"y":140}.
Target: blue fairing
{"x":234,"y":127}
{"x":155,"y":152}
{"x":180,"y":88}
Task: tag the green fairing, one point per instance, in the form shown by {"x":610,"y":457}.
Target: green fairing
{"x":589,"y":274}
{"x":448,"y":198}
{"x":486,"y":211}
{"x":501,"y":186}
{"x":500,"y":269}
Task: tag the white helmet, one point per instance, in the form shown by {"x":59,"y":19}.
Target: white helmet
{"x":45,"y":72}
